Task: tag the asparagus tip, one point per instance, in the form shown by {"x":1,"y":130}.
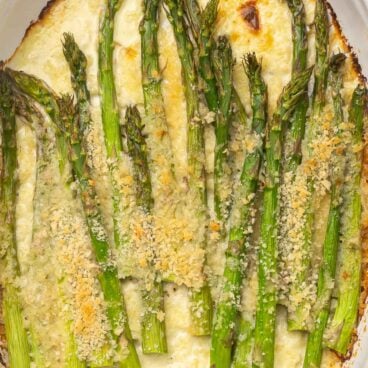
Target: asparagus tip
{"x":337,"y":61}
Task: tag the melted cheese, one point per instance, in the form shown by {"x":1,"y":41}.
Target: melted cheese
{"x":41,"y":54}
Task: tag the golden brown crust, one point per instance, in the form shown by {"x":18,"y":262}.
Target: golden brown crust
{"x":42,"y":16}
{"x":349,"y":49}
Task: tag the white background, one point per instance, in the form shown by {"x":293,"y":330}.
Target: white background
{"x":15,"y":16}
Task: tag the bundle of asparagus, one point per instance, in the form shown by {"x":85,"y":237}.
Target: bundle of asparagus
{"x":293,"y":213}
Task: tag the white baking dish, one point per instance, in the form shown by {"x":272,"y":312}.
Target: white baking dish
{"x":15,"y":15}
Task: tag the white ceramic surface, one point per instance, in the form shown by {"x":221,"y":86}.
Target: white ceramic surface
{"x":15,"y":16}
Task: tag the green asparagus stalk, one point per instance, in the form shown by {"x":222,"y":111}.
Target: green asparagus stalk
{"x":110,"y":283}
{"x":245,"y":334}
{"x":46,"y":152}
{"x":205,"y":46}
{"x":77,"y":62}
{"x":110,"y":114}
{"x":150,"y":60}
{"x":109,"y":104}
{"x":111,"y":124}
{"x":201,"y":300}
{"x":223,"y":331}
{"x":61,"y":111}
{"x":264,"y":339}
{"x":295,"y":135}
{"x":216,"y":75}
{"x":223,"y":65}
{"x":16,"y":334}
{"x":349,"y":274}
{"x":155,"y":117}
{"x":193,"y":14}
{"x":322,"y":25}
{"x":137,"y":148}
{"x":78,"y":65}
{"x":299,"y":311}
{"x":292,"y":155}
{"x":154,"y":338}
{"x":154,"y":334}
{"x":202,"y":25}
{"x":244,"y":345}
{"x":327,"y":269}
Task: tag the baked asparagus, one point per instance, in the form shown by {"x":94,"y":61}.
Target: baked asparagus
{"x":295,"y":134}
{"x":16,"y":333}
{"x":202,"y":26}
{"x":223,"y":66}
{"x":201,"y":300}
{"x":153,"y":323}
{"x":109,"y":104}
{"x":326,"y":276}
{"x":61,"y":112}
{"x":223,"y":331}
{"x":299,"y":307}
{"x":244,"y":345}
{"x":264,"y":339}
{"x":292,"y":155}
{"x":193,"y":14}
{"x":114,"y":147}
{"x":160,"y":161}
{"x":341,"y":327}
{"x":44,"y":195}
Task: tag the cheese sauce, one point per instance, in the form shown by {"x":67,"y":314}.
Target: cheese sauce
{"x":41,"y":54}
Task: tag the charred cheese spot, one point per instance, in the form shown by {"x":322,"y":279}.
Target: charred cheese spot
{"x":249,"y":13}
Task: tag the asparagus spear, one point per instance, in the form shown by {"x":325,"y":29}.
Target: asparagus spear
{"x":202,"y":25}
{"x":109,"y":104}
{"x":46,"y":152}
{"x":16,"y":334}
{"x":216,"y":76}
{"x":349,"y":274}
{"x":154,"y":335}
{"x":111,"y":124}
{"x":299,"y":309}
{"x":111,"y":116}
{"x":295,"y":135}
{"x":240,"y":220}
{"x":110,"y":284}
{"x":327,"y":269}
{"x":322,"y":25}
{"x":244,"y":345}
{"x":205,"y":45}
{"x":155,"y":117}
{"x":161,"y":165}
{"x":193,"y":15}
{"x":223,"y":62}
{"x":61,"y":111}
{"x":292,"y":155}
{"x":299,"y":64}
{"x":201,"y":300}
{"x":263,"y":354}
{"x":78,"y":64}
